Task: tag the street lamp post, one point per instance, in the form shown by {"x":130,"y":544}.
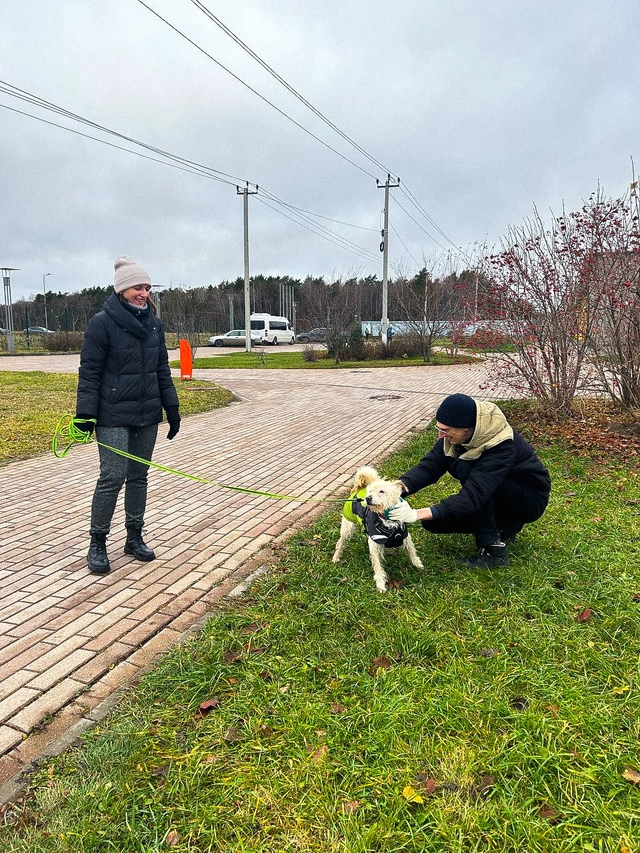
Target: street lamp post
{"x":6,"y":280}
{"x":44,"y":291}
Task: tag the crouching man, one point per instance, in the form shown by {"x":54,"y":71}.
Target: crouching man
{"x":504,"y":484}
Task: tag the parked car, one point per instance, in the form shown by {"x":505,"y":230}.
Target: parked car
{"x":234,"y":338}
{"x":38,"y":330}
{"x":313,"y":335}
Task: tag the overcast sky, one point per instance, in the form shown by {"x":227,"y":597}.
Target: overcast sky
{"x":481,"y":109}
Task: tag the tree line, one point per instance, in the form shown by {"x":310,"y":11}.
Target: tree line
{"x":558,"y":303}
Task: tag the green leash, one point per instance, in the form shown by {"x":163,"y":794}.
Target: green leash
{"x":67,"y":433}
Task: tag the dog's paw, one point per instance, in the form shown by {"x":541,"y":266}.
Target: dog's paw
{"x":335,"y":558}
{"x":418,"y":563}
{"x":381,"y":587}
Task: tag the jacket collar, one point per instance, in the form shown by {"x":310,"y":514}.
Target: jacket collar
{"x":116,"y":310}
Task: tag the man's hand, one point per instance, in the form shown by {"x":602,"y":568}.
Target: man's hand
{"x":403,"y":512}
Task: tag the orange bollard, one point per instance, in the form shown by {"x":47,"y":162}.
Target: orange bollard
{"x":186,"y":360}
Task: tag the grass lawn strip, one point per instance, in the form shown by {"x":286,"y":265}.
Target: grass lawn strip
{"x":463,"y":711}
{"x":31,"y":403}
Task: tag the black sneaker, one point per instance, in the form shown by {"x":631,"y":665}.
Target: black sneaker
{"x":487,"y":557}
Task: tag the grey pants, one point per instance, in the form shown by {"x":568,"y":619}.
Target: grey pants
{"x":116,"y":471}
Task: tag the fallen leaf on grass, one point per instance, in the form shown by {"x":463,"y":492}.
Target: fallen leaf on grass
{"x":172,"y":838}
{"x":383,"y":662}
{"x":337,"y":708}
{"x":208,"y":706}
{"x":427,"y":784}
{"x":553,"y":709}
{"x":489,"y":653}
{"x":231,"y":656}
{"x":350,"y":806}
{"x":631,"y":776}
{"x":549,"y":813}
{"x":620,"y":691}
{"x":253,"y":650}
{"x":253,"y":628}
{"x":232,"y":735}
{"x":409,"y":793}
{"x":319,"y":753}
{"x":584,"y":615}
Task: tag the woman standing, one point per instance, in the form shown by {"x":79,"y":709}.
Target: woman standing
{"x":124,"y":384}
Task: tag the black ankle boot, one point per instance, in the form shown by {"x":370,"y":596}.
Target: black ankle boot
{"x":97,"y":559}
{"x":135,"y":545}
{"x":488,"y":556}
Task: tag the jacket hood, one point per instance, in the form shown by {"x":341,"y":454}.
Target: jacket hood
{"x":492,"y":428}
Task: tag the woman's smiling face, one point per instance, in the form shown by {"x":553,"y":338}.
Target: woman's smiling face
{"x":137,"y":295}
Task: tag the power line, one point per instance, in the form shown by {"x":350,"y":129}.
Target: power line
{"x":21,"y":94}
{"x":113,"y":145}
{"x":287,"y":86}
{"x":172,"y":160}
{"x":255,"y":91}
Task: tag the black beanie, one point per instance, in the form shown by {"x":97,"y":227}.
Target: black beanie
{"x":457,"y":410}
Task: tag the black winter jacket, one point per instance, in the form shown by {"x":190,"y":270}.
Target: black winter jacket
{"x":512,"y":459}
{"x":124,"y":377}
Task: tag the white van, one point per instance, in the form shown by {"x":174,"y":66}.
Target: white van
{"x":272,"y":330}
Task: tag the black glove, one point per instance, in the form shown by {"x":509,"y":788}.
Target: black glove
{"x":173,"y":416}
{"x":84,"y":424}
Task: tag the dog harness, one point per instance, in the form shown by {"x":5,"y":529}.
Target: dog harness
{"x":376,"y":527}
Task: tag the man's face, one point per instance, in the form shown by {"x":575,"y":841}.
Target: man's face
{"x":456,"y":435}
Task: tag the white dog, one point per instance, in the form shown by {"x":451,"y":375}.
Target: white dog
{"x":367,"y":506}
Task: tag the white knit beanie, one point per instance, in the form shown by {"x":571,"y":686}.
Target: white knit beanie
{"x":127,"y":274}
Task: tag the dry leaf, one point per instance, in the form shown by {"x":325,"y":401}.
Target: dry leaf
{"x":320,"y":753}
{"x":172,"y":838}
{"x":382,"y":662}
{"x":231,"y":657}
{"x":350,"y":806}
{"x":549,"y":813}
{"x":337,"y":708}
{"x":631,"y":776}
{"x":620,"y":691}
{"x":232,"y":735}
{"x":208,"y":706}
{"x":584,"y":615}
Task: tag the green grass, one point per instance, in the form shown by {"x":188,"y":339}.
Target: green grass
{"x":31,"y":403}
{"x":276,"y":358}
{"x":511,"y":719}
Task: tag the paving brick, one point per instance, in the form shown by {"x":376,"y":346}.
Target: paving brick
{"x":102,"y":662}
{"x":48,"y":703}
{"x":70,"y":662}
{"x":15,"y":701}
{"x":9,"y":738}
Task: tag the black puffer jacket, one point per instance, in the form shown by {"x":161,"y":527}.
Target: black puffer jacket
{"x":124,"y":378}
{"x":514,"y":459}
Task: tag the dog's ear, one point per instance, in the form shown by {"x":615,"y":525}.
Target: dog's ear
{"x":395,"y":491}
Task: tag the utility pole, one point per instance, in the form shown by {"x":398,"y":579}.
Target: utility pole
{"x":44,"y":293}
{"x":6,"y":280}
{"x":384,"y":248}
{"x":245,"y":192}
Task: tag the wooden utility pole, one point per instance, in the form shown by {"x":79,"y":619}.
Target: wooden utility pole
{"x":246,"y":192}
{"x":384,"y":248}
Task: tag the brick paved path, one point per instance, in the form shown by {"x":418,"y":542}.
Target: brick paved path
{"x":69,"y":639}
